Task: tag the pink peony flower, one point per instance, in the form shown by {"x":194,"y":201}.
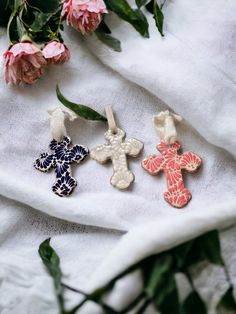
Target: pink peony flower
{"x":55,"y":52}
{"x":84,"y":15}
{"x":23,"y":63}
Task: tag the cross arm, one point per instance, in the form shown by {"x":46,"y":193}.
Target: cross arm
{"x":190,"y":161}
{"x":45,"y":162}
{"x":101,"y":153}
{"x":78,"y":153}
{"x":132,"y":147}
{"x":152,"y":164}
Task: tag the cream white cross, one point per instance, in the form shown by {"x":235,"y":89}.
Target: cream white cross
{"x":117,"y":150}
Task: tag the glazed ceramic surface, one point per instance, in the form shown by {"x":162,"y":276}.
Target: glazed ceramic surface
{"x":173,"y":164}
{"x":60,"y":159}
{"x":117,"y":150}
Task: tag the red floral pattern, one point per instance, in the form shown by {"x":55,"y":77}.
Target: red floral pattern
{"x":153,"y":164}
{"x":173,"y":164}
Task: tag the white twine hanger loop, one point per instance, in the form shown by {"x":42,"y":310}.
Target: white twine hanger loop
{"x":164,"y":123}
{"x":57,"y":118}
{"x":110,"y":119}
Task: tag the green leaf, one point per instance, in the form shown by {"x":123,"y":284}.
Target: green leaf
{"x":102,"y":27}
{"x":45,"y":6}
{"x":181,"y":254}
{"x":81,"y":110}
{"x":155,"y":269}
{"x":52,"y":263}
{"x":44,"y":26}
{"x":205,"y":247}
{"x":40,"y":20}
{"x":150,"y":6}
{"x":125,"y":12}
{"x":141,"y":3}
{"x":108,"y":40}
{"x":227,"y":301}
{"x":158,"y":16}
{"x":210,"y":244}
{"x":20,"y":28}
{"x":103,"y":33}
{"x":6,"y":7}
{"x":12,"y":31}
{"x":143,"y":18}
{"x":18,"y":3}
{"x":12,"y":25}
{"x":159,"y":283}
{"x":170,"y":303}
{"x":193,"y":304}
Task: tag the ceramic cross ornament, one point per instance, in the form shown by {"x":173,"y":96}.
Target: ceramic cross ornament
{"x":117,"y":150}
{"x":172,"y":163}
{"x":61,"y":156}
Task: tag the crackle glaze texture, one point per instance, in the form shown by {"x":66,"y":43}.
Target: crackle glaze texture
{"x":116,"y":150}
{"x":173,"y":164}
{"x":60,"y":159}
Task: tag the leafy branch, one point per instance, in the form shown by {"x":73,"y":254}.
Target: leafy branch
{"x":41,"y":21}
{"x":159,"y":286}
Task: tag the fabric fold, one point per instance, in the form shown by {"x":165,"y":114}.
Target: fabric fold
{"x":188,"y":69}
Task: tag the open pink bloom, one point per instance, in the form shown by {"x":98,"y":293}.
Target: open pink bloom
{"x":23,"y":63}
{"x":84,"y":15}
{"x":55,"y":52}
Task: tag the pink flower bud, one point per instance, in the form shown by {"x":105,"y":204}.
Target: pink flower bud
{"x":23,"y":63}
{"x":84,"y":15}
{"x":55,"y":52}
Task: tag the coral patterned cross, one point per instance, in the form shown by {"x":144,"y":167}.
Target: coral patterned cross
{"x":60,"y":159}
{"x":173,"y":164}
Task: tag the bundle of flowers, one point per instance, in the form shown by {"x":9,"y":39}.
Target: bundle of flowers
{"x":34,"y":29}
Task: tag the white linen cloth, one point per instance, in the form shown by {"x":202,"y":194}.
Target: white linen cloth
{"x":193,"y":70}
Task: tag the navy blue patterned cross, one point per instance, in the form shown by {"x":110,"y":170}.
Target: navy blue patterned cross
{"x":60,"y":159}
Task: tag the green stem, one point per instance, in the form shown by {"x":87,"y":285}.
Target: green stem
{"x":18,"y":11}
{"x":55,"y":35}
{"x":135,"y":302}
{"x":186,"y":272}
{"x":106,"y":307}
{"x":59,"y":24}
{"x":74,"y":289}
{"x":228,"y":277}
{"x":162,"y":5}
{"x":98,"y":293}
{"x":143,"y":307}
{"x":26,"y":37}
{"x":88,"y":297}
{"x":61,"y":304}
{"x":9,"y":24}
{"x":77,"y":307}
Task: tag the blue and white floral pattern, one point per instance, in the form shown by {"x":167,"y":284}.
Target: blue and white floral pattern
{"x":60,"y":159}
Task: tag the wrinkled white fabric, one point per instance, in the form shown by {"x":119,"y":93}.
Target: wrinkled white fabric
{"x":25,"y":286}
{"x":192,"y":69}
